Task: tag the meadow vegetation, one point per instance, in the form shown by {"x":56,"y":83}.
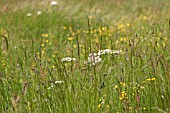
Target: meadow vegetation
{"x":89,"y":56}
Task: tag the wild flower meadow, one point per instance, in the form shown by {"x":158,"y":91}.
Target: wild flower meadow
{"x":110,"y":56}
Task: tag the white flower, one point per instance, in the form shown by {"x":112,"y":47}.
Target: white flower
{"x":68,"y":59}
{"x":52,"y":85}
{"x":94,"y":58}
{"x":101,"y":52}
{"x":29,"y":14}
{"x":92,"y":54}
{"x":49,"y":88}
{"x":59,"y":82}
{"x":116,"y":51}
{"x":39,"y":12}
{"x":53,"y":3}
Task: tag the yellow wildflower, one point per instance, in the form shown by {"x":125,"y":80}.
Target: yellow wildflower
{"x":116,"y":86}
{"x":74,"y":46}
{"x":42,"y":45}
{"x":44,"y":35}
{"x":152,"y":78}
{"x":99,"y":106}
{"x":70,"y":38}
{"x":46,"y":41}
{"x":163,"y":44}
{"x":122,"y":96}
{"x":128,"y":25}
{"x":121,"y":26}
{"x":53,"y":66}
{"x":144,"y":108}
{"x":148,"y":79}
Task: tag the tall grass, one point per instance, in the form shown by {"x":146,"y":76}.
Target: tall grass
{"x":136,"y":78}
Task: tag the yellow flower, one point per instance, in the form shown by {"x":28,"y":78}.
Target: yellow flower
{"x":53,"y":66}
{"x":91,"y":32}
{"x":125,"y":39}
{"x":128,"y":25}
{"x":46,"y":41}
{"x":144,"y":18}
{"x":121,"y":26}
{"x":116,"y":86}
{"x":95,"y":30}
{"x":130,"y":107}
{"x":70,"y":38}
{"x":122,"y":96}
{"x":42,"y":45}
{"x":160,"y":34}
{"x":74,"y":46}
{"x":103,"y":28}
{"x":38,"y":53}
{"x":121,"y":39}
{"x":73,"y":33}
{"x":144,"y":108}
{"x":123,"y":84}
{"x":109,"y":35}
{"x":44,"y":35}
{"x":148,"y":79}
{"x":152,"y":78}
{"x":143,"y":27}
{"x":99,"y":106}
{"x":42,"y":51}
{"x":53,"y":56}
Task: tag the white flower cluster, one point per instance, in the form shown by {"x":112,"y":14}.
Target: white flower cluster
{"x":68,"y":59}
{"x":53,"y":84}
{"x":101,"y":52}
{"x":94,"y":58}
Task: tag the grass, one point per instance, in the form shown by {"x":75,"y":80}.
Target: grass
{"x":132,"y":76}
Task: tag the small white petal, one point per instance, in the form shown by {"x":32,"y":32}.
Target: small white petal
{"x":73,"y":59}
{"x":99,"y":60}
{"x":29,"y":14}
{"x":54,"y":3}
{"x":39,"y":12}
{"x":91,"y":54}
{"x":95,"y":54}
